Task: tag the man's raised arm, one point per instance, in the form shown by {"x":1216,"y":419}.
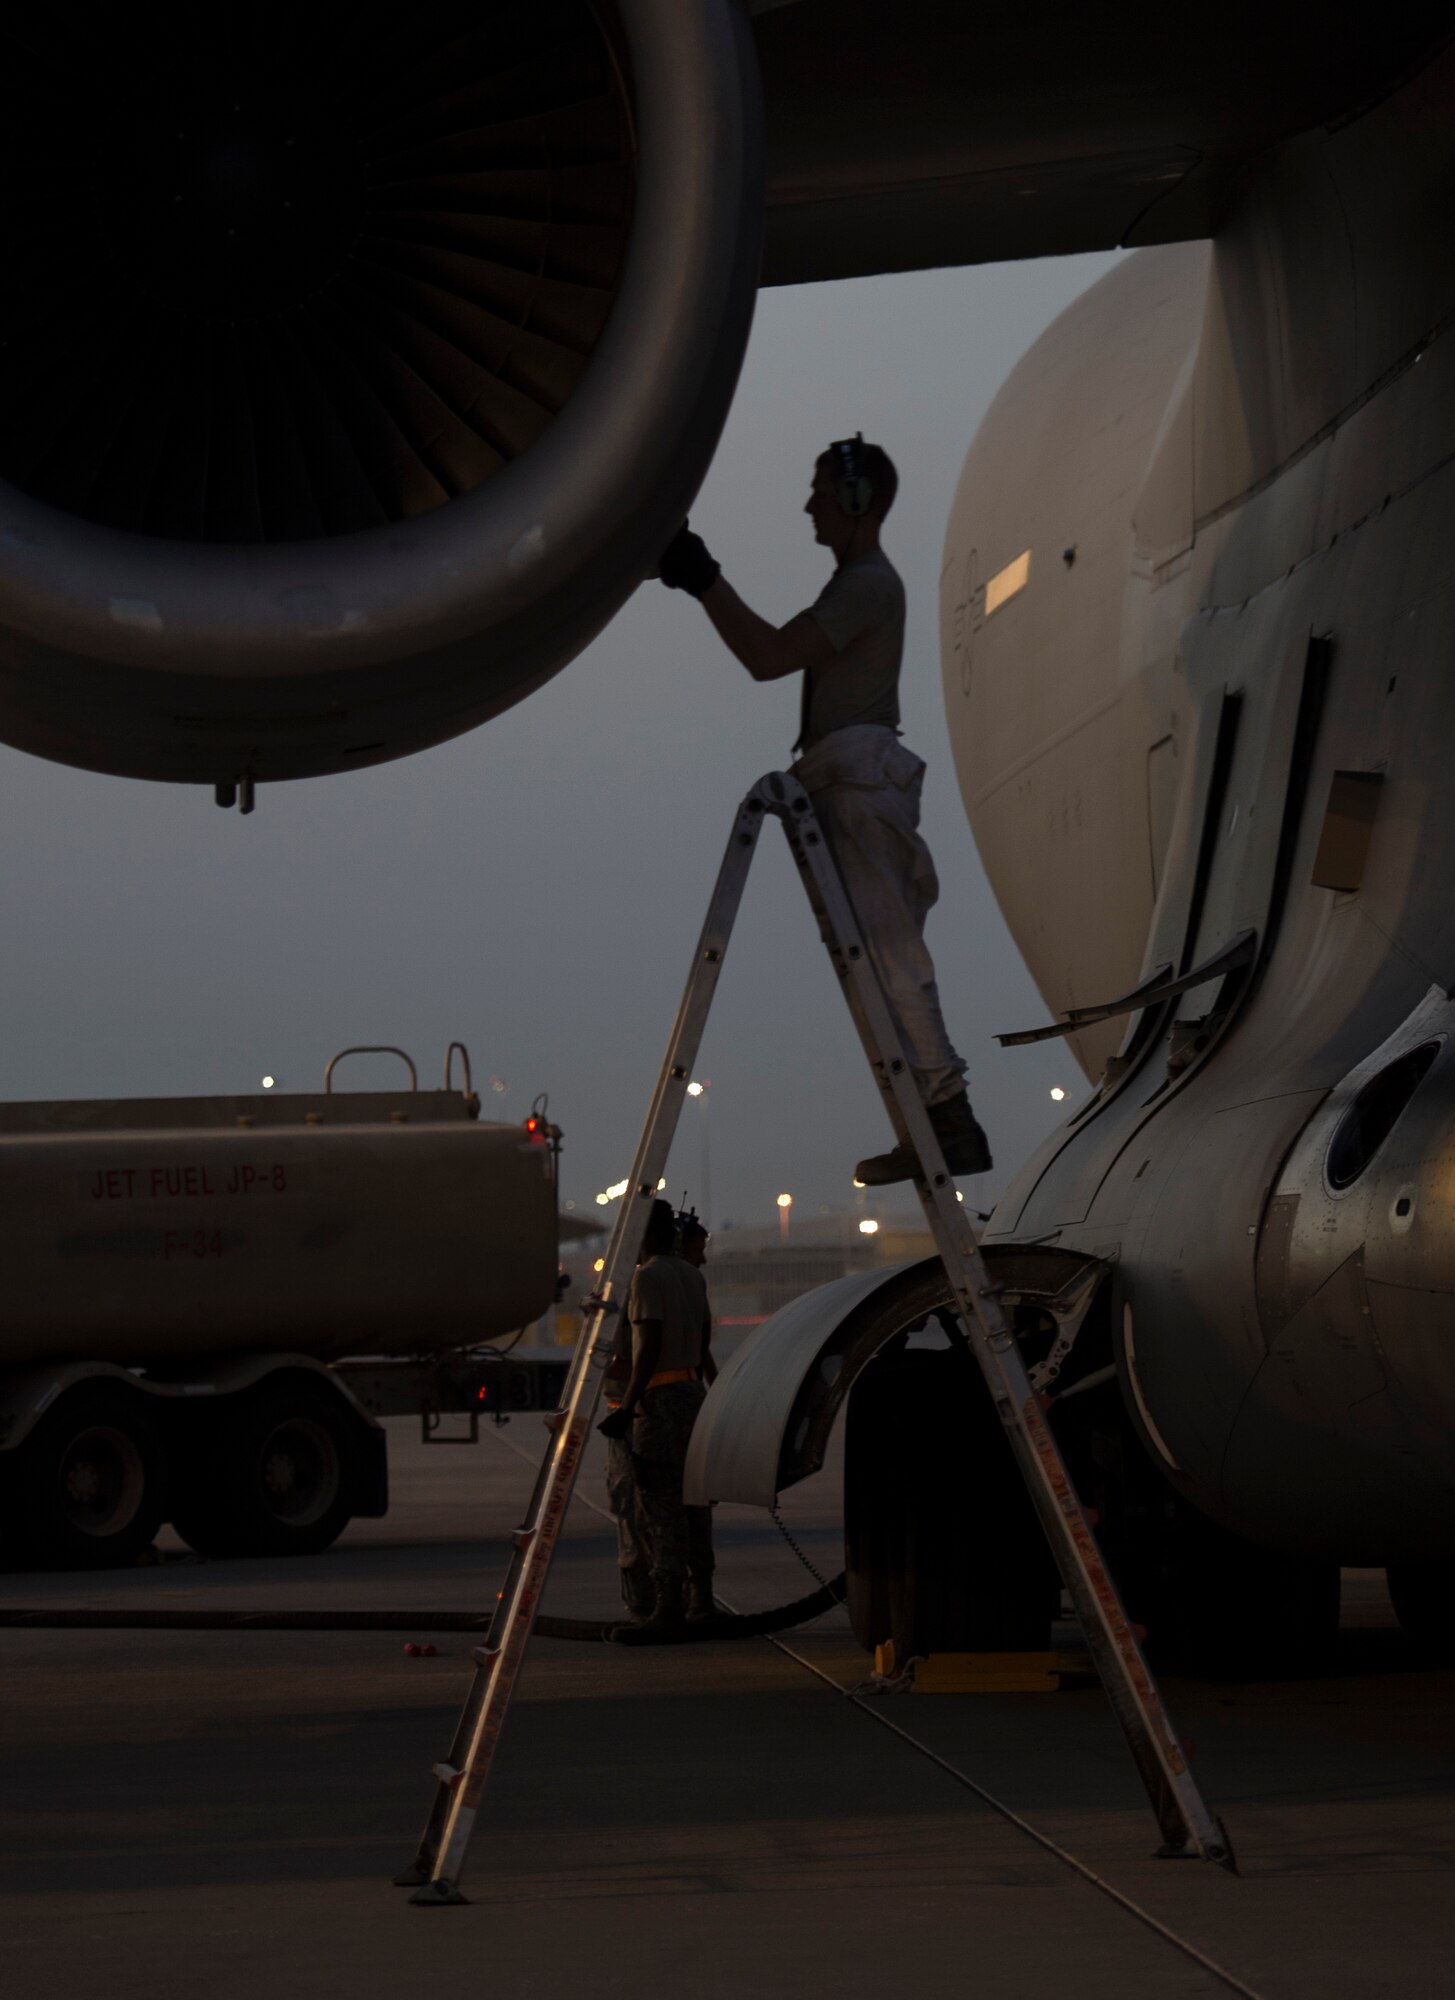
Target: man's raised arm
{"x":769,"y":652}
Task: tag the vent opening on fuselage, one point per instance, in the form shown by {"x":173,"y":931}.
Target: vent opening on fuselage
{"x":1374,"y":1114}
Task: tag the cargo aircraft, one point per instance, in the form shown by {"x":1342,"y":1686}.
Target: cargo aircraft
{"x":358,"y":365}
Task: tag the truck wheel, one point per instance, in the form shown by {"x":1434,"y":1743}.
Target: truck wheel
{"x":88,"y":1486}
{"x":274,"y":1479}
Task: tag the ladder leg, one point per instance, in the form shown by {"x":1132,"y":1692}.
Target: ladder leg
{"x":440,"y":1860}
{"x":1188,"y":1827}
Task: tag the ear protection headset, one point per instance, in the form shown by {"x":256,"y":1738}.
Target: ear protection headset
{"x":853,"y":488}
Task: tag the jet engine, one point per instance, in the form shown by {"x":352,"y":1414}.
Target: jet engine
{"x":358,"y":361}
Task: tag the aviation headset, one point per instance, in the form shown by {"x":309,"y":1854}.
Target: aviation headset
{"x":853,"y":488}
{"x":664,"y":1219}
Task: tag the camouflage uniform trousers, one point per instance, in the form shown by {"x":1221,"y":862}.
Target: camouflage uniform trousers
{"x":659,"y":1540}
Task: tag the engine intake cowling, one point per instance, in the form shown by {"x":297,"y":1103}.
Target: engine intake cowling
{"x":359,"y":362}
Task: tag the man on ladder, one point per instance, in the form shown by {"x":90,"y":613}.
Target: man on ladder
{"x":863,"y":817}
{"x":864,"y":784}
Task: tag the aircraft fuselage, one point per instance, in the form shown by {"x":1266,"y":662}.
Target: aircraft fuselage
{"x":1214,"y":699}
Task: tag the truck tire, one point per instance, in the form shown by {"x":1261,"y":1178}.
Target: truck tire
{"x":88,"y":1488}
{"x":274,"y":1478}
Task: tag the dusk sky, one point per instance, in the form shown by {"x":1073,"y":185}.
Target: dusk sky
{"x":535,"y":889}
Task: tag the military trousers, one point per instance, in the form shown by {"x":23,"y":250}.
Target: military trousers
{"x":659,"y":1538}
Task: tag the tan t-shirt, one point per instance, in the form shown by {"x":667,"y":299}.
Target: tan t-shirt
{"x":860,"y":611}
{"x":673,"y":1291}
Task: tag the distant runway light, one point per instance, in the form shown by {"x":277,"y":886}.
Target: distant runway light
{"x":785,"y":1201}
{"x":268,"y":1082}
{"x":868,"y":1228}
{"x":1057,"y":1092}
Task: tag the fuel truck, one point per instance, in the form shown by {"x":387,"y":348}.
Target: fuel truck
{"x":209,"y":1303}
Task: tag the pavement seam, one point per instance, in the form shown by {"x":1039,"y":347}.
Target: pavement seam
{"x":1088,"y":1874}
{"x":1042,"y":1840}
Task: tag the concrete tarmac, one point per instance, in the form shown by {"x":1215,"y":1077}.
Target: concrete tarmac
{"x":219,"y":1813}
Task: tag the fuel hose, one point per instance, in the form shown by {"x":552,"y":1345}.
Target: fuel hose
{"x":103,"y":1618}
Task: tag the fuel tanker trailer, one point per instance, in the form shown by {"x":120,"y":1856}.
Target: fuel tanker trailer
{"x":210,"y":1302}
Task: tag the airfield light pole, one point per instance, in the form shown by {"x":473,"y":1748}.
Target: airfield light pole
{"x":701,"y":1090}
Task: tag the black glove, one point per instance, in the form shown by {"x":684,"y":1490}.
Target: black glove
{"x":686,"y":565}
{"x":616,"y":1424}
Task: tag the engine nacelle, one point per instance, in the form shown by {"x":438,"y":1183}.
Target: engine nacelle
{"x":359,"y":363}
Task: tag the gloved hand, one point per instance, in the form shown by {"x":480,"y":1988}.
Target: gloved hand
{"x":686,"y":564}
{"x":617,"y":1424}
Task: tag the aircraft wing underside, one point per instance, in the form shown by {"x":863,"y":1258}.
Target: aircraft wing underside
{"x":932,"y":133}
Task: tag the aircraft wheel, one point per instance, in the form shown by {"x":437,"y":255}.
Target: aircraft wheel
{"x":1232,"y":1611}
{"x":942,"y":1549}
{"x":274,"y":1478}
{"x":87,"y":1488}
{"x":1423,"y":1595}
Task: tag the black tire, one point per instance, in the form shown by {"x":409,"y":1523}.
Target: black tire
{"x":1423,"y":1595}
{"x":1225,"y":1609}
{"x":942,"y":1548}
{"x":274,"y":1478}
{"x":88,"y":1488}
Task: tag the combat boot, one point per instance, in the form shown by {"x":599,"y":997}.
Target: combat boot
{"x":667,"y":1625}
{"x":638,"y":1592}
{"x":961,"y":1140}
{"x":964,"y":1145}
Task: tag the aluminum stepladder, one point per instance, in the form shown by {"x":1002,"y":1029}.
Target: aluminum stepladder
{"x":1188,"y":1827}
